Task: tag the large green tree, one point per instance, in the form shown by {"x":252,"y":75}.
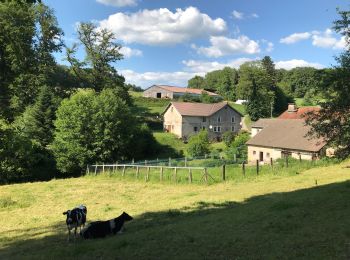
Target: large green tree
{"x":332,"y":122}
{"x":97,"y":68}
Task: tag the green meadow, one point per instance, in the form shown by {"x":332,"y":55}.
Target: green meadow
{"x":277,"y":215}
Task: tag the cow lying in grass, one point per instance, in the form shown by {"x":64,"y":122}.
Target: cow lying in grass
{"x":99,"y":229}
{"x":75,"y":218}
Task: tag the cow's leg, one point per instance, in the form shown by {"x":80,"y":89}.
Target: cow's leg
{"x":75,"y":233}
{"x":68,"y":234}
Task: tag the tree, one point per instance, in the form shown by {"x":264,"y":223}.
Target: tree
{"x":101,"y":51}
{"x":259,"y":103}
{"x":97,"y":127}
{"x":196,"y":82}
{"x":332,"y":122}
{"x":198,"y":144}
{"x":238,"y":146}
{"x":36,"y":122}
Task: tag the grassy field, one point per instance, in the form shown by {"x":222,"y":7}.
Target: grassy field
{"x":269,"y":217}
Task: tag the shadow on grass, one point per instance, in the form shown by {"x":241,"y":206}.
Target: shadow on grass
{"x":312,"y":223}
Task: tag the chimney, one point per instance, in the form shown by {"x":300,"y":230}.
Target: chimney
{"x":292,"y":108}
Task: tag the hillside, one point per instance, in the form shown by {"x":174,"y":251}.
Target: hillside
{"x":272,"y":217}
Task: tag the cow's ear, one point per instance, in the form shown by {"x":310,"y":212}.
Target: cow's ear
{"x":65,"y":213}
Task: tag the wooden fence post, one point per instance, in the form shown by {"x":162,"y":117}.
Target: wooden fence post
{"x":175,"y":174}
{"x":95,"y":169}
{"x":190,"y":175}
{"x":287,"y":161}
{"x":169,"y":162}
{"x":87,"y":170}
{"x":185,"y":161}
{"x":161,"y":173}
{"x":299,"y":157}
{"x":137,"y":171}
{"x":103,"y":168}
{"x":243,"y":168}
{"x":257,"y":167}
{"x":124,"y":171}
{"x":223,"y":172}
{"x":147,"y":175}
{"x":206,"y":175}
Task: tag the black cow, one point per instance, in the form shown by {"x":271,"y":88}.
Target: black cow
{"x":99,"y":229}
{"x":75,"y":218}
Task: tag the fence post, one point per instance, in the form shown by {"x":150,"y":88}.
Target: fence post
{"x":133,"y":161}
{"x":175,"y":174}
{"x":287,"y":161}
{"x":190,"y":175}
{"x":87,"y":170}
{"x":137,"y":171}
{"x":257,"y":167}
{"x":185,"y":161}
{"x":299,"y":157}
{"x":124,"y":171}
{"x":271,"y":163}
{"x":95,"y":169}
{"x":206,"y":175}
{"x":169,"y":161}
{"x":224,"y":172}
{"x":243,"y":168}
{"x":147,"y":175}
{"x":103,"y":168}
{"x":161,"y":173}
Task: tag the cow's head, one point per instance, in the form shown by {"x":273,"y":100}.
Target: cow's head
{"x":69,"y":219}
{"x":126,"y":216}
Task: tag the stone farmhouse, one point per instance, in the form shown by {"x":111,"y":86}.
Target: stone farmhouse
{"x":171,"y":92}
{"x":185,"y":119}
{"x":286,"y":135}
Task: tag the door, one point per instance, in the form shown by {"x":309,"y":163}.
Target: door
{"x":159,"y":95}
{"x":261,"y":156}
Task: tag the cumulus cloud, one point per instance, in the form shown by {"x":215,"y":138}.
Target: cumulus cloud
{"x":118,"y":3}
{"x":163,"y":27}
{"x":290,"y":64}
{"x":295,"y":37}
{"x":128,"y":52}
{"x":221,"y":46}
{"x":325,"y":39}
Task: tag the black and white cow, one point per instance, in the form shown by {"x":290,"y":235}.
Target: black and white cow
{"x":99,"y":229}
{"x":75,"y":218}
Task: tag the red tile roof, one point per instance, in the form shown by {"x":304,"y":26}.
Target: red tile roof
{"x":197,"y":109}
{"x":186,"y":90}
{"x":298,"y":113}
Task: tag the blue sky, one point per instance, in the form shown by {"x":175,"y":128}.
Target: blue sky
{"x":168,"y":42}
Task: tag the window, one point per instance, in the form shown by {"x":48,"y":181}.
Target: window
{"x":204,"y":119}
{"x":215,"y":129}
{"x":254,"y":152}
{"x":233,"y":119}
{"x":232,"y":128}
{"x":219,"y":119}
{"x":219,"y":129}
{"x":159,"y":95}
{"x":195,"y":128}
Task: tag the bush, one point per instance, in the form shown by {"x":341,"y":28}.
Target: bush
{"x":198,"y":145}
{"x":238,"y":146}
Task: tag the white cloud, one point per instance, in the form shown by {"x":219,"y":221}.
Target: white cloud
{"x":163,"y":27}
{"x":237,"y":15}
{"x":269,"y":47}
{"x":128,"y":52}
{"x":324,"y":39}
{"x":221,"y":46}
{"x":254,"y":15}
{"x":118,"y":3}
{"x":203,"y":67}
{"x":327,"y":40}
{"x":290,"y":64}
{"x":295,"y":37}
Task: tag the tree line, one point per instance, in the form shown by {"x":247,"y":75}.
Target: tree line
{"x":55,"y":119}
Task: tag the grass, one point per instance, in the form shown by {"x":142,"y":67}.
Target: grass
{"x":238,"y":107}
{"x":269,"y":217}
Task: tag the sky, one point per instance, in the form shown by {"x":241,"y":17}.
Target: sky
{"x":169,"y":42}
